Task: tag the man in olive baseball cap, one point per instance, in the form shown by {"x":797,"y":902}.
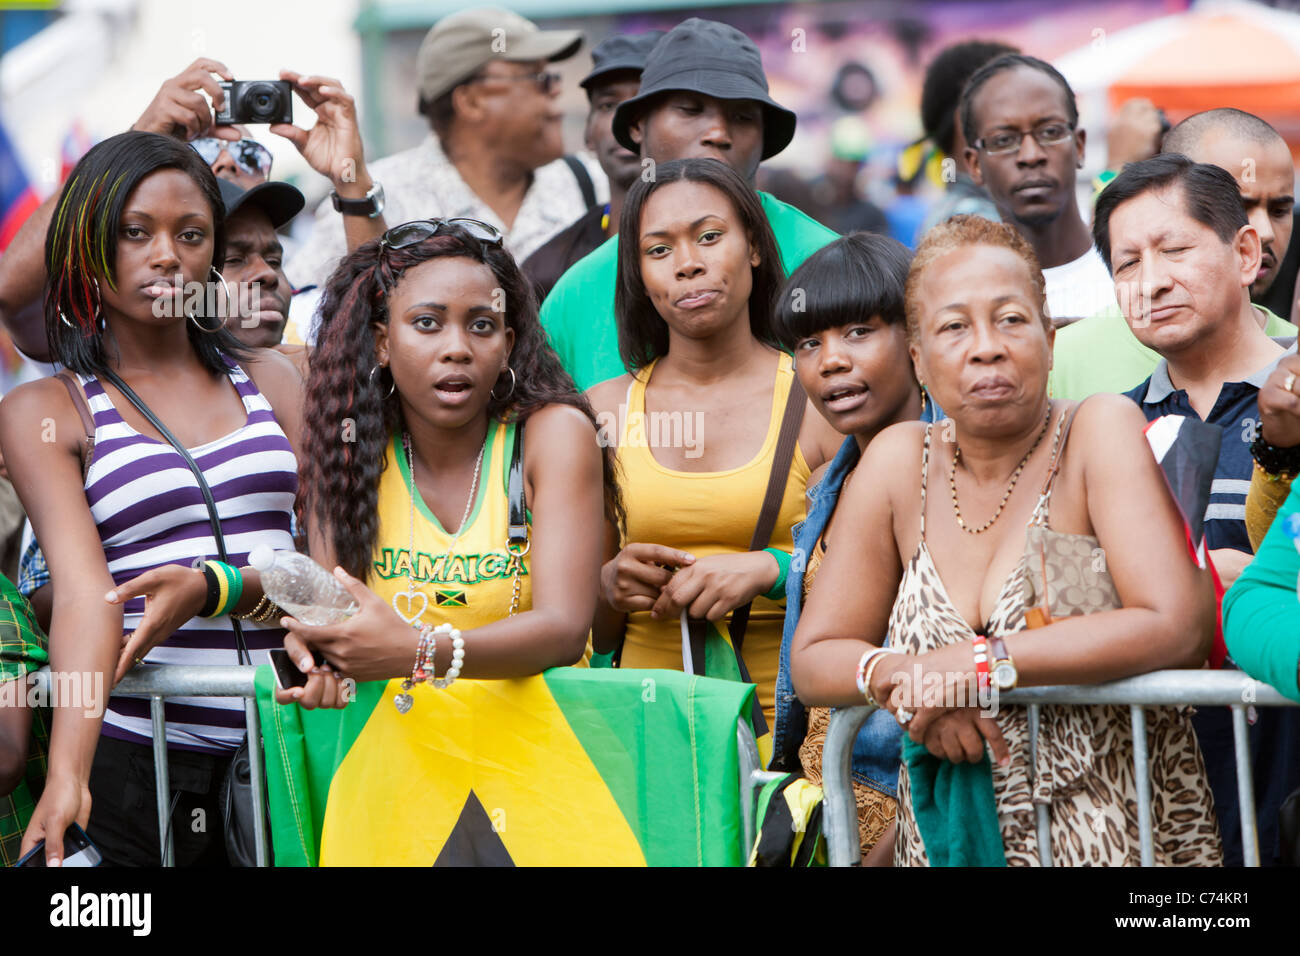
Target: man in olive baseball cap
{"x":463,"y":43}
{"x":495,"y":151}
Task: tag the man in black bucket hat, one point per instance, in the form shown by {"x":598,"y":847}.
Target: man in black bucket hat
{"x":717,"y":69}
{"x":703,"y":95}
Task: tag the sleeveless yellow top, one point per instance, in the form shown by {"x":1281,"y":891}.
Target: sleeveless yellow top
{"x":706,"y":513}
{"x":472,"y":586}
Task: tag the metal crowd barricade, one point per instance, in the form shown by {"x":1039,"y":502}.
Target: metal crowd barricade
{"x":1159,"y":689}
{"x":158,"y":682}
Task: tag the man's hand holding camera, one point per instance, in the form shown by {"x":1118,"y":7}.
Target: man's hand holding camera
{"x":333,"y":146}
{"x":179,"y":109}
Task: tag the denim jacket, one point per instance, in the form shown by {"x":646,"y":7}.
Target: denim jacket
{"x":877,"y":751}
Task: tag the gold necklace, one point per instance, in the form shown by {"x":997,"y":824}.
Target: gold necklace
{"x":1015,"y":476}
{"x":413,"y":615}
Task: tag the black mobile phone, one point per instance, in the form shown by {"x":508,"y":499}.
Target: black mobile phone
{"x":287,"y":675}
{"x":77,"y":850}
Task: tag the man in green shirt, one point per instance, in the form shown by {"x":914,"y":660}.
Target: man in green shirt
{"x":703,"y":95}
{"x":1101,"y":354}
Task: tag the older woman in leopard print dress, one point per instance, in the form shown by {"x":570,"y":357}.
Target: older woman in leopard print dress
{"x":948,"y":517}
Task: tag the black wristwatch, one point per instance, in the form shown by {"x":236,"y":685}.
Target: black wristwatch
{"x":1274,"y":460}
{"x":370,"y":206}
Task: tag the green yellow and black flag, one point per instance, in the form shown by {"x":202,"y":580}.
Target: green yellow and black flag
{"x":572,"y":767}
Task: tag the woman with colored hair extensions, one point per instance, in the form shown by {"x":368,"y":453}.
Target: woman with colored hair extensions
{"x":429,"y":366}
{"x":132,"y":312}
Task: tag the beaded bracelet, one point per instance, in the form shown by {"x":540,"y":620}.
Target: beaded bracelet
{"x":263,"y":611}
{"x":422,"y":671}
{"x":457,"y":656}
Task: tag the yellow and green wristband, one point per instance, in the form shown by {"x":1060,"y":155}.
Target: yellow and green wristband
{"x":225,"y":588}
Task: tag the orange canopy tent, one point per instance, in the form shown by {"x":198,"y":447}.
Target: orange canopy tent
{"x":1216,"y":54}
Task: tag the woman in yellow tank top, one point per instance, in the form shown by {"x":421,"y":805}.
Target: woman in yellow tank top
{"x":426,"y":371}
{"x":696,"y":425}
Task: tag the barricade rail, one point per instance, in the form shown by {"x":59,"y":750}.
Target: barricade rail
{"x":1159,"y":689}
{"x":158,"y":682}
{"x":839,"y":817}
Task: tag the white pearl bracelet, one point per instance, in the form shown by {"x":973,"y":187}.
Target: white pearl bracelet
{"x":457,"y":656}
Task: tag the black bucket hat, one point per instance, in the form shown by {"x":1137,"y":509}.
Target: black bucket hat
{"x":705,"y":56}
{"x":621,"y":52}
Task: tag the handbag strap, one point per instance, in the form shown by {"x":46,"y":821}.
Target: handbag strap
{"x":787,"y":440}
{"x":518,"y":507}
{"x":213,"y":519}
{"x":87,"y":420}
{"x":1059,"y":450}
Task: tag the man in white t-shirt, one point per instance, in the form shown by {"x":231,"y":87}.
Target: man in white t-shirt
{"x":1021,"y":122}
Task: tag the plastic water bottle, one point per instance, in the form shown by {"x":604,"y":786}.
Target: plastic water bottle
{"x":302,"y":587}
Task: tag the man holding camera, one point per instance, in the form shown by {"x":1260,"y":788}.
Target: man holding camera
{"x":494,"y":151}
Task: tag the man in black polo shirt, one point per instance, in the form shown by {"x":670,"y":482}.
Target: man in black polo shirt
{"x":1175,"y":235}
{"x":615,"y":76}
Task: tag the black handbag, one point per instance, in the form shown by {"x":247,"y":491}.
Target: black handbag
{"x":1288,"y":818}
{"x":236,"y":794}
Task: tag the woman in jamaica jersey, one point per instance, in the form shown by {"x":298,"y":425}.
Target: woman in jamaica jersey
{"x":429,"y":369}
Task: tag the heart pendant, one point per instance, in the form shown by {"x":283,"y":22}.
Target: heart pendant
{"x":411,"y":615}
{"x":403,"y":702}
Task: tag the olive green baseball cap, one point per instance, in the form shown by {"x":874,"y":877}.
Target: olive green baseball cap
{"x":461,"y":44}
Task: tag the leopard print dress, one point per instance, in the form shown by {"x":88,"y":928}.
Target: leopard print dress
{"x":1084,"y":767}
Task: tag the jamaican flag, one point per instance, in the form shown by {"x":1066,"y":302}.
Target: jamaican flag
{"x":571,"y":767}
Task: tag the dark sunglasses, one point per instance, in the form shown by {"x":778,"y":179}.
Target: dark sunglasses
{"x":409,"y":233}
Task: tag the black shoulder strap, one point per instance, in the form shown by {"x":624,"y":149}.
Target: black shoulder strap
{"x":181,"y":450}
{"x":518,"y":533}
{"x":584,"y":180}
{"x":788,"y":438}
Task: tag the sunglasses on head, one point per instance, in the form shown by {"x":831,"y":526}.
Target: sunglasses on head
{"x":249,"y":155}
{"x":409,"y":233}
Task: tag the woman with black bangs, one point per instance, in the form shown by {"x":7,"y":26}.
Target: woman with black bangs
{"x":129,"y":255}
{"x":698,"y":426}
{"x":842,"y":316}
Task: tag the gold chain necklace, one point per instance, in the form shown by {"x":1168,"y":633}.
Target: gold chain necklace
{"x":412,"y":614}
{"x":1015,"y":476}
